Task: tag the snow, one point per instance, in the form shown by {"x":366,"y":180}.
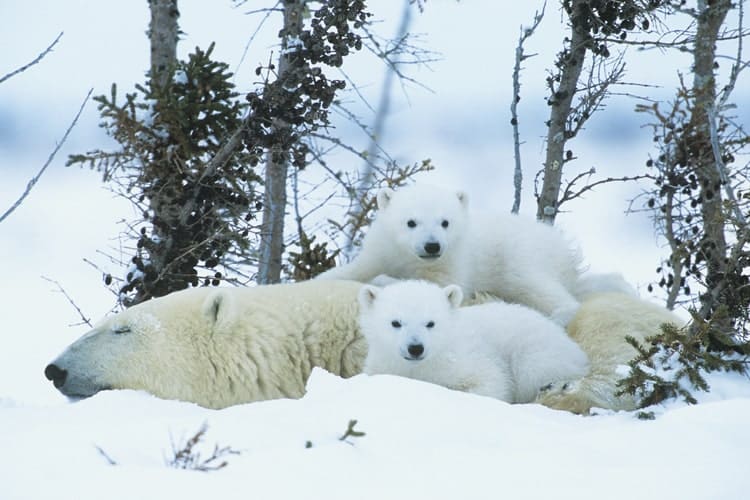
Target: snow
{"x":180,"y":77}
{"x":420,"y":441}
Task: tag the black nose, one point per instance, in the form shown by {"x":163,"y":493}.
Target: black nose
{"x":432,"y":248}
{"x":416,"y":350}
{"x":56,"y":374}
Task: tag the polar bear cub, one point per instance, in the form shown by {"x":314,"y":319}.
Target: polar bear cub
{"x":427,"y":232}
{"x":418,"y":330}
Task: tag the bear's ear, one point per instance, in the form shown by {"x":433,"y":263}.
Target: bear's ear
{"x":384,"y":197}
{"x":217,"y":307}
{"x":367,"y":296}
{"x":454,"y":294}
{"x":463,"y":198}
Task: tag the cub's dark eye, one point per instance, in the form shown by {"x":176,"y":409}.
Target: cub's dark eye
{"x":121,"y":329}
{"x":445,"y":224}
{"x":411,"y":223}
{"x":430,"y":324}
{"x":396,"y":323}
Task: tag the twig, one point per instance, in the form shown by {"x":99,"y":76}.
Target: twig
{"x":569,"y":194}
{"x":104,"y":454}
{"x":36,"y":178}
{"x":38,"y":58}
{"x":350,"y":432}
{"x":72,"y":302}
{"x":188,"y":457}
{"x":722,"y":169}
{"x":520,"y":57}
{"x":268,"y":13}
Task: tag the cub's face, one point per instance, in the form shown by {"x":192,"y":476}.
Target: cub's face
{"x":424,"y":221}
{"x":409,"y":320}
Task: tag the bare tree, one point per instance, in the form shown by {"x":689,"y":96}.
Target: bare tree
{"x":594,"y":26}
{"x":696,"y":201}
{"x":521,"y":56}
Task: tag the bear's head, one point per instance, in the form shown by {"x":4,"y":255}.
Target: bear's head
{"x":161,"y":346}
{"x":422,"y":220}
{"x":406,"y":321}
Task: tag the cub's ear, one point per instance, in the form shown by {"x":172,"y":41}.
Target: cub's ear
{"x":384,"y":197}
{"x":218,"y":307}
{"x":463,"y":198}
{"x":454,"y":294}
{"x":367,"y":296}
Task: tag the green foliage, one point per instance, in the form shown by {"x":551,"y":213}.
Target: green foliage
{"x":673,"y":363}
{"x":312,"y":258}
{"x":192,"y":217}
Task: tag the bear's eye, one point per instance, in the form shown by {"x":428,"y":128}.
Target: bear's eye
{"x":411,"y":223}
{"x":445,"y":224}
{"x":396,"y":323}
{"x":430,"y":324}
{"x":121,"y":329}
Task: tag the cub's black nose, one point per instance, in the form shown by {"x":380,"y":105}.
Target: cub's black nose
{"x":415,"y":350}
{"x":432,"y":248}
{"x":56,"y":374}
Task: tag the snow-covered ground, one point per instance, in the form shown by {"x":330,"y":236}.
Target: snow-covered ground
{"x":420,"y":442}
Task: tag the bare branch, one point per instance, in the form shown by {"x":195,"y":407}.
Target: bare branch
{"x":84,"y":319}
{"x":39,"y":174}
{"x":520,"y":57}
{"x":262,"y":22}
{"x":104,"y":454}
{"x":722,"y":169}
{"x":570,"y":194}
{"x":38,"y":58}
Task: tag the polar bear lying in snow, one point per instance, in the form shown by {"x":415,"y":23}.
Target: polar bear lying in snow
{"x":219,"y":346}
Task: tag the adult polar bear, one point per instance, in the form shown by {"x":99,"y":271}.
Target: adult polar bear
{"x":418,"y":330}
{"x":227,"y":346}
{"x":600,"y":327}
{"x":219,"y":346}
{"x":427,"y":232}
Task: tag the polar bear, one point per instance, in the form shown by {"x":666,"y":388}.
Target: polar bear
{"x":600,"y":327}
{"x":219,"y":346}
{"x":427,"y":232}
{"x":418,"y":330}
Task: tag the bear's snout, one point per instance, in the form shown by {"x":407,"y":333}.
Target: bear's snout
{"x":56,"y":374}
{"x":415,"y":351}
{"x":432,"y":248}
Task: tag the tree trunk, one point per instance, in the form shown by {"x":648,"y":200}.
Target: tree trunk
{"x":710,"y":18}
{"x":277,"y":165}
{"x":163,"y":32}
{"x":571,"y":64}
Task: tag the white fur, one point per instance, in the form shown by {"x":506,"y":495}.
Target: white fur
{"x":517,"y":260}
{"x":416,"y":329}
{"x":222,"y":346}
{"x":600,"y":327}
